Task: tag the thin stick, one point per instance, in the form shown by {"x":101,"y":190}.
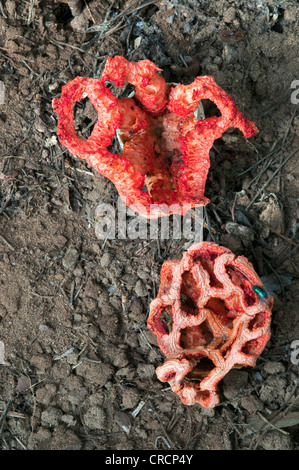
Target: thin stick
{"x":17,"y":144}
{"x":2,"y":10}
{"x":208,"y":224}
{"x":278,"y":234}
{"x":7,"y":243}
{"x":260,"y":161}
{"x":273,"y":151}
{"x":31,"y":11}
{"x":21,"y":117}
{"x":18,"y":440}
{"x":276,"y":105}
{"x":271,"y":178}
{"x":59,"y":43}
{"x":3,"y":415}
{"x":127,"y":10}
{"x":29,"y":68}
{"x":271,"y":425}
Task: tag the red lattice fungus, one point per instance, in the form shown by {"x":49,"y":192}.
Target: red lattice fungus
{"x":165,"y":157}
{"x":212,"y":313}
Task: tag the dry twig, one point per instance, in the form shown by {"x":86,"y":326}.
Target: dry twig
{"x":271,"y":178}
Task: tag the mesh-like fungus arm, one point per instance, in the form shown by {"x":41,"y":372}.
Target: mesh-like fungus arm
{"x":151,"y":91}
{"x":165,"y":158}
{"x":212,"y":313}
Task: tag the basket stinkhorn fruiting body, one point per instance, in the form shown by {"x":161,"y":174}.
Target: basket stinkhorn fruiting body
{"x":165,"y":156}
{"x":212,"y":313}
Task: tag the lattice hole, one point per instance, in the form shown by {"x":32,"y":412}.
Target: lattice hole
{"x":163,"y":321}
{"x":201,"y":370}
{"x":207,"y":262}
{"x":221,"y":314}
{"x":189,"y":294}
{"x":196,"y":336}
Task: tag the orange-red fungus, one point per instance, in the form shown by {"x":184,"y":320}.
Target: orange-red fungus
{"x":165,"y":157}
{"x":212,"y":314}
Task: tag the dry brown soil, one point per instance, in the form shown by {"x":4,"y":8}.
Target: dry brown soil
{"x":77,"y":360}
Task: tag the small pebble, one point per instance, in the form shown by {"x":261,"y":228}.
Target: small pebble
{"x":140,"y":289}
{"x":70,"y":258}
{"x":273,"y":367}
{"x":123,"y":420}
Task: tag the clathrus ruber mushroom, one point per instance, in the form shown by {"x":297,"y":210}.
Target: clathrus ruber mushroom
{"x":212,"y":314}
{"x":165,"y":160}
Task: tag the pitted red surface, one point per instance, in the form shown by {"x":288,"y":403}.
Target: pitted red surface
{"x":208,"y":319}
{"x":165,"y":157}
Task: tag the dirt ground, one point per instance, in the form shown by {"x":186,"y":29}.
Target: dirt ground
{"x":77,"y":361}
